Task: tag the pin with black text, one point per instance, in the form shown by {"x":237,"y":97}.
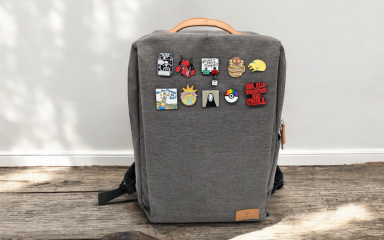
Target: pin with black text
{"x":210,"y":66}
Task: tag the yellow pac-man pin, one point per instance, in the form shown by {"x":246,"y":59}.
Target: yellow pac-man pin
{"x":257,"y":65}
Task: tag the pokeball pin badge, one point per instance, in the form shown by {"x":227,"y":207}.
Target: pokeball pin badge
{"x":231,"y":96}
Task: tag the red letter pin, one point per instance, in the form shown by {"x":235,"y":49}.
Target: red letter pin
{"x":255,"y":89}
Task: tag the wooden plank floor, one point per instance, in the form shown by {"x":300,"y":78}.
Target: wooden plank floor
{"x":328,"y":202}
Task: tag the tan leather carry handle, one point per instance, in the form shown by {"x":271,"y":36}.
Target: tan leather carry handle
{"x":204,"y":22}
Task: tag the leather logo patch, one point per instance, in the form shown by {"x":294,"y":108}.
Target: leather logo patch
{"x":247,"y":214}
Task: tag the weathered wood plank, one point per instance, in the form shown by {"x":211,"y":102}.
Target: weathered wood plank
{"x":128,"y":236}
{"x":60,"y":179}
{"x":76,"y":215}
{"x":338,"y":202}
{"x":98,"y":178}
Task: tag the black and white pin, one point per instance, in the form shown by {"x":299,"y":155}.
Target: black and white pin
{"x":165,"y":65}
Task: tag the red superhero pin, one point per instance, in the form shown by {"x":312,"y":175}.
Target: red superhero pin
{"x":185,"y":67}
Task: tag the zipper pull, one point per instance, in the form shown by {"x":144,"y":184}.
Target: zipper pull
{"x":282,"y":133}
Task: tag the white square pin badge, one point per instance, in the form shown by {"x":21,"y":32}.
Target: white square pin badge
{"x":166,"y":98}
{"x":210,"y":66}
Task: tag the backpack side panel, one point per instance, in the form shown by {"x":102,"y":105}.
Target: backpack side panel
{"x":135,"y":115}
{"x":279,"y":107}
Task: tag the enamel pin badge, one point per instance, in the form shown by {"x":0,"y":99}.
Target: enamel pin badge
{"x":257,"y":65}
{"x":210,"y":66}
{"x":185,"y":67}
{"x":231,"y":96}
{"x":165,"y":64}
{"x":189,"y":96}
{"x":215,"y":82}
{"x":166,"y":98}
{"x":210,"y":98}
{"x":256,"y":89}
{"x":236,"y":67}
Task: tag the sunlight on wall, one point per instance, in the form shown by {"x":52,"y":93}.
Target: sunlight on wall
{"x":127,"y":15}
{"x":46,"y":125}
{"x":296,"y":225}
{"x":8,"y":32}
{"x":63,"y":96}
{"x":49,"y":127}
{"x":16,"y":99}
{"x":112,"y":19}
{"x":69,"y":126}
{"x":55,"y":20}
{"x":101,"y":26}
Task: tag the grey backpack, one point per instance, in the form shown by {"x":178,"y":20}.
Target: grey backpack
{"x":196,"y":163}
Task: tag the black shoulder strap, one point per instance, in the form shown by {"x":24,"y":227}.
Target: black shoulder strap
{"x":279,"y":180}
{"x":128,"y":185}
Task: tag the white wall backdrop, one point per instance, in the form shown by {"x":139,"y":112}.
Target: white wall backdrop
{"x":63,"y":73}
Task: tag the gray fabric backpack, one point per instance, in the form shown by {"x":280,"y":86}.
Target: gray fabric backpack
{"x":196,"y":163}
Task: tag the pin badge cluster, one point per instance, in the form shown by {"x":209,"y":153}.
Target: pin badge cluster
{"x":166,"y":98}
{"x":236,"y":66}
